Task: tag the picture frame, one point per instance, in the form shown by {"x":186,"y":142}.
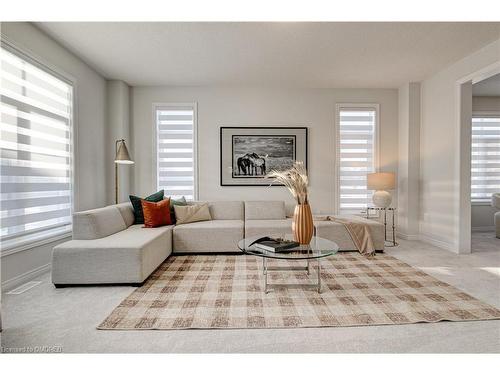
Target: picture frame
{"x":248,"y":154}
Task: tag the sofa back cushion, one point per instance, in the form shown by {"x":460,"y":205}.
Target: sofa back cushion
{"x":127,"y":212}
{"x":265,"y":210}
{"x":97,"y":223}
{"x":226,"y":210}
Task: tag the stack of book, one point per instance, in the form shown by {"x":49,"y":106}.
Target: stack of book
{"x":275,"y":245}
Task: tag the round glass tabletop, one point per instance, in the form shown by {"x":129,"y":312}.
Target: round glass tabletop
{"x":317,"y":248}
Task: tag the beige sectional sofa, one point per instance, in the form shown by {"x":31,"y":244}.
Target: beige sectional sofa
{"x":107,"y":248}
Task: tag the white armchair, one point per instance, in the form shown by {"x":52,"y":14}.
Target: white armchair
{"x":495,"y":202}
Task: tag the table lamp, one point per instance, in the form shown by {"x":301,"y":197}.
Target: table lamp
{"x":381,"y":182}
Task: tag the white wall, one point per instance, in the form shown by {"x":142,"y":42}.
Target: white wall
{"x":486,"y":103}
{"x":90,"y":168}
{"x":409,"y":160}
{"x":482,"y":215}
{"x":314,"y":108}
{"x":440,"y":147}
{"x":118,"y":127}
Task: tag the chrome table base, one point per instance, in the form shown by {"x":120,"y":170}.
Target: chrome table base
{"x":307,"y":268}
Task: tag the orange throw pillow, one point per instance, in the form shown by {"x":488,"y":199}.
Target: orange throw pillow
{"x":156,"y":214}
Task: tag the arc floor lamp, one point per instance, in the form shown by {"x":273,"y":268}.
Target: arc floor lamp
{"x":122,"y":157}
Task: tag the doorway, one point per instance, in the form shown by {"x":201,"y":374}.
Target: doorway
{"x":485,"y":163}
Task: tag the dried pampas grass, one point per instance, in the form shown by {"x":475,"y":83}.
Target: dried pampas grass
{"x":295,"y":179}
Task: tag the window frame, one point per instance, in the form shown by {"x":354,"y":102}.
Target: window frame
{"x":376,"y":146}
{"x":167,"y":105}
{"x":479,"y":114}
{"x":34,"y":59}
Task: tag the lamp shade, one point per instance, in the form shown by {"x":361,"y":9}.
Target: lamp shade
{"x":381,"y":181}
{"x":122,"y":155}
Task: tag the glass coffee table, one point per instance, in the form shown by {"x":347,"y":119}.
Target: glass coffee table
{"x":317,"y":249}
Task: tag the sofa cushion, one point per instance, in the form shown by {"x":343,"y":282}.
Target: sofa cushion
{"x":208,"y":236}
{"x":136,"y":236}
{"x":127,"y":212}
{"x":97,"y":223}
{"x":265,"y":210}
{"x":226,"y":210}
{"x":268,"y":227}
{"x":136,"y":203}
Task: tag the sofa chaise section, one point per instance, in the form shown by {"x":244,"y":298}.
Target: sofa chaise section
{"x":107,"y":249}
{"x":264,"y":218}
{"x":219,"y":235}
{"x":337,"y":232}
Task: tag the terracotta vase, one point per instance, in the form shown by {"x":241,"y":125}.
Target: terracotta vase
{"x":302,"y":226}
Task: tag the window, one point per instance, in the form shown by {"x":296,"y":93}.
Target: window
{"x":176,"y":150}
{"x":36,"y":153}
{"x":485,"y":158}
{"x":356,"y":155}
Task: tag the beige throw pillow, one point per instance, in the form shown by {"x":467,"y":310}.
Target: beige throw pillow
{"x":192,"y":213}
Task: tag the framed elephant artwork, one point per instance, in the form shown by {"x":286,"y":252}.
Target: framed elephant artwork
{"x":248,"y":154}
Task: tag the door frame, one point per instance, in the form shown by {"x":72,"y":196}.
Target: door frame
{"x":463,"y":115}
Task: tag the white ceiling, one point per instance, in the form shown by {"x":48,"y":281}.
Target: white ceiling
{"x":357,"y":55}
{"x":487,"y":87}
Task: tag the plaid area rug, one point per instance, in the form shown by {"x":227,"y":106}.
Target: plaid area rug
{"x":224,"y":291}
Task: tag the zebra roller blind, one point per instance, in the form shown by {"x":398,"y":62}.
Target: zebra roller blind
{"x":485,"y":158}
{"x":356,"y":156}
{"x":36,"y":154}
{"x":176,"y":153}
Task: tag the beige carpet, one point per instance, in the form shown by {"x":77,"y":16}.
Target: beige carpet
{"x":485,"y":241}
{"x":224,"y":291}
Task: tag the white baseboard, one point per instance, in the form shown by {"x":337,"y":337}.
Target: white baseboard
{"x":25,"y":277}
{"x":437,"y":242}
{"x":408,"y":237}
{"x":484,"y":229}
